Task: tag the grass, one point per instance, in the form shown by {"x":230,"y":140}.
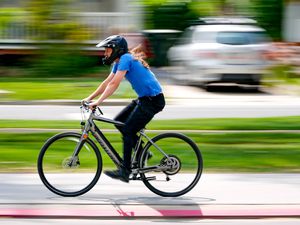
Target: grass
{"x":45,"y":89}
{"x":271,"y":123}
{"x":222,"y":152}
{"x":238,"y":152}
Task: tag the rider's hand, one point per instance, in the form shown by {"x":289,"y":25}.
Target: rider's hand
{"x":93,"y":105}
{"x":85,"y":100}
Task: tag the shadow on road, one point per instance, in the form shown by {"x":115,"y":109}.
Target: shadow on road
{"x":166,"y":207}
{"x":233,"y":89}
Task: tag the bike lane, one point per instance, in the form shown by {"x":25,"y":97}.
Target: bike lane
{"x":215,"y":196}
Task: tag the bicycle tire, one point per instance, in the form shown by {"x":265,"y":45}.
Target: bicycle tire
{"x":58,"y":145}
{"x":177,"y":152}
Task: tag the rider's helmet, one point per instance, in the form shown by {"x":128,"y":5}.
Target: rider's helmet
{"x":119,"y":46}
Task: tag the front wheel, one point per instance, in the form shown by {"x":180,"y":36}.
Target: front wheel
{"x":175,"y":166}
{"x":62,"y":172}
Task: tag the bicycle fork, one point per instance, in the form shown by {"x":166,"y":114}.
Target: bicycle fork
{"x":74,"y":160}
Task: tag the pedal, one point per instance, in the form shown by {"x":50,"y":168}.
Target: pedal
{"x":134,"y":177}
{"x":139,"y":178}
{"x":151,"y":178}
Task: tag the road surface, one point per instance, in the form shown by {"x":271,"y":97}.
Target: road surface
{"x":215,"y":196}
{"x":182,"y":102}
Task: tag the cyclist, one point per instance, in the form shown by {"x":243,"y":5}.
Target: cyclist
{"x":135,"y":116}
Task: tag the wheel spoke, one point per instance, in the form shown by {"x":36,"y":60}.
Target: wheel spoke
{"x":179,"y":169}
{"x":65,"y":174}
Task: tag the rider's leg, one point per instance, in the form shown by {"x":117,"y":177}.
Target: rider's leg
{"x":136,"y":121}
{"x":140,"y":115}
{"x":124,"y":114}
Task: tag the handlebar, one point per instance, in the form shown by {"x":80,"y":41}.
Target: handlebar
{"x":86,"y":106}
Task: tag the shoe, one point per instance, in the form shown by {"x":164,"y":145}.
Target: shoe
{"x":120,"y":174}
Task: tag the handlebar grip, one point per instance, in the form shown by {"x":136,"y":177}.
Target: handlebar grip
{"x":86,"y":104}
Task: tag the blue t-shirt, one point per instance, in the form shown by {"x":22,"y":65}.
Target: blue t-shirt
{"x":142,"y":80}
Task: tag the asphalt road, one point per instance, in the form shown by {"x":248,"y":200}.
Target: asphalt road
{"x":215,"y":196}
{"x":182,"y":102}
{"x":274,"y":198}
{"x":218,"y":199}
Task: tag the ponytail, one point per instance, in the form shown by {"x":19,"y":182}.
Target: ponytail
{"x":139,"y":55}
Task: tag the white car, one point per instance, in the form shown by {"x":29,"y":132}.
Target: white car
{"x":221,"y":51}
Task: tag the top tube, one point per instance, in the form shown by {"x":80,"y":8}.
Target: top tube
{"x":107,"y":120}
{"x":93,"y":116}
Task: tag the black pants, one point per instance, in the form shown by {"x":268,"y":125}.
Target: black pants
{"x":135,"y":116}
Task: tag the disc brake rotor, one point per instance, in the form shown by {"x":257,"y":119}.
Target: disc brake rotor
{"x":70,"y":163}
{"x":172,"y":163}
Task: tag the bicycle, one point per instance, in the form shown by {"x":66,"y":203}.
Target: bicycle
{"x":70,"y":163}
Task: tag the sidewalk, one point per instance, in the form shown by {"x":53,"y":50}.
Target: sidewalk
{"x":216,"y":196}
{"x":176,"y":94}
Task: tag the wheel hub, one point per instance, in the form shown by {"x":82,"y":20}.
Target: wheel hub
{"x":172,"y":163}
{"x":70,"y":163}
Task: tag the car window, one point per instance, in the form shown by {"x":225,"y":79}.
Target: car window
{"x":258,"y":37}
{"x":204,"y":37}
{"x":240,"y":38}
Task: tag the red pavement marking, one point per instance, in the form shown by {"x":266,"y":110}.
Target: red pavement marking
{"x":181,"y":213}
{"x":207,"y":211}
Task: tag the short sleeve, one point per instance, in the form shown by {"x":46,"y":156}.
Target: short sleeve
{"x":124,"y":63}
{"x":114,"y":68}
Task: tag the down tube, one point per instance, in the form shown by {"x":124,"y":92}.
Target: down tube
{"x":108,"y":148}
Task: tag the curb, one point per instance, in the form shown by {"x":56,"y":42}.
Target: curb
{"x":108,"y":102}
{"x":149,"y":211}
{"x":41,"y":130}
{"x":111,"y":102}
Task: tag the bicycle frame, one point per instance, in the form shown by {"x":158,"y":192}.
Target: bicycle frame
{"x":149,"y":163}
{"x":90,"y":126}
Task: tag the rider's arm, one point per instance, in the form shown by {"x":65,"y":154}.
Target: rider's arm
{"x":101,"y":87}
{"x":112,"y":86}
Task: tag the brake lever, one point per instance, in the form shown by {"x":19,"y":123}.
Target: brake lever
{"x":100,"y":111}
{"x":86,"y":106}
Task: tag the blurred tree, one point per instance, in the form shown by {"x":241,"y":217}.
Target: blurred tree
{"x":179,"y":14}
{"x":60,"y":35}
{"x":9,"y":16}
{"x":269,"y":15}
{"x":211,"y":8}
{"x":174,"y":15}
{"x":53,"y":21}
{"x":168,"y":14}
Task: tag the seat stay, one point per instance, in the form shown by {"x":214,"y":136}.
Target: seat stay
{"x":153,"y":143}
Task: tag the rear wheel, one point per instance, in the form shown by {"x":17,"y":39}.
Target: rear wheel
{"x":65,"y":174}
{"x":175,"y":173}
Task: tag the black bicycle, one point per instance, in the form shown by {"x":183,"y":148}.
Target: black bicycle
{"x":70,"y":163}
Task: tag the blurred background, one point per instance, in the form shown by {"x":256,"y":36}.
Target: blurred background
{"x":230,"y":71}
{"x":198,"y":42}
